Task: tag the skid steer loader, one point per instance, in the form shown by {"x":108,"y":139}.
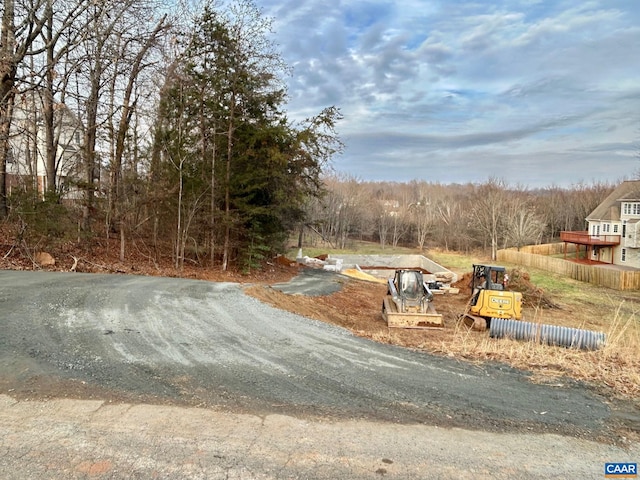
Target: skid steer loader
{"x":408,"y":303}
{"x":490,"y":298}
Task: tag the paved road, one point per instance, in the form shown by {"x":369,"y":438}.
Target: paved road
{"x":84,"y":439}
{"x":142,"y":340}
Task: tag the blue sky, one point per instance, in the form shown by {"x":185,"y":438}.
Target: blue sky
{"x":535,"y":92}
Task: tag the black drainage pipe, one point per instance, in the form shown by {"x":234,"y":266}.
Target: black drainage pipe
{"x":547,"y":334}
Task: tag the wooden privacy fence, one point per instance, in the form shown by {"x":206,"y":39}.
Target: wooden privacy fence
{"x":602,"y":276}
{"x":548,"y":248}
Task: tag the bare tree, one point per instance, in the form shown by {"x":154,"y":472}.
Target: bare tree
{"x":447,"y":214}
{"x":585,"y":198}
{"x":555,"y":207}
{"x":384,"y":210}
{"x":523,"y":225}
{"x":139,"y":45}
{"x":19,"y":29}
{"x":345,"y":207}
{"x":423,"y":216}
{"x":490,"y":215}
{"x":97,"y":59}
{"x":400,"y":226}
{"x":489,"y":212}
{"x":171,"y":148}
{"x":59,"y":24}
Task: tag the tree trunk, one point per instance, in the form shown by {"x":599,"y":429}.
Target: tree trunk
{"x":178,"y":263}
{"x":5,"y":124}
{"x":90,"y":155}
{"x":48,"y":113}
{"x":227,"y":195}
{"x":213,"y":201}
{"x":7,"y":94}
{"x":122,"y":241}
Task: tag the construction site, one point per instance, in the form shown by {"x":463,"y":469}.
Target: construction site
{"x":539,"y":332}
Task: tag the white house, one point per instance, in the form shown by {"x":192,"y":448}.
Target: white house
{"x":613,"y":234}
{"x":27,"y":148}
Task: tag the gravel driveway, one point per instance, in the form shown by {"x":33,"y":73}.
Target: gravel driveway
{"x":182,"y":343}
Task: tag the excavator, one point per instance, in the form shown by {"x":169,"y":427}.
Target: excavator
{"x":490,"y":299}
{"x":408,"y":303}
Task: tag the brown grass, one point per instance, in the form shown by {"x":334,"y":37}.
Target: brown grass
{"x":615,"y":368}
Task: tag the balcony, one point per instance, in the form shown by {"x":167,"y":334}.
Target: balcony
{"x":584,"y":238}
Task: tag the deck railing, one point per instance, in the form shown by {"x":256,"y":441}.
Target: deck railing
{"x":584,"y":238}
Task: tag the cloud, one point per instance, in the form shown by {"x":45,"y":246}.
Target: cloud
{"x":543,"y":91}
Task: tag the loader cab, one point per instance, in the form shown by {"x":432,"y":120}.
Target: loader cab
{"x":408,"y":302}
{"x":408,"y":291}
{"x":488,"y":277}
{"x":410,"y":283}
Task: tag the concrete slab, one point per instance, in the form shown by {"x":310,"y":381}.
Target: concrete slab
{"x":387,"y":264}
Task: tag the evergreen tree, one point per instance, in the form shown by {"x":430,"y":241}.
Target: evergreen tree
{"x":240,"y":172}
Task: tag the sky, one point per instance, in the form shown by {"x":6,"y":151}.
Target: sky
{"x":537,"y":93}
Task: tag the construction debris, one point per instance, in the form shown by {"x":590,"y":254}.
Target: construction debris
{"x":360,"y":275}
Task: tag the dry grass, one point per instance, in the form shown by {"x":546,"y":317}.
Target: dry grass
{"x":615,"y":368}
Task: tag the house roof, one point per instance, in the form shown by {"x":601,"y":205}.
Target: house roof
{"x":609,"y":209}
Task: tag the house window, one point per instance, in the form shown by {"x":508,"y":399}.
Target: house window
{"x":631,"y":208}
{"x":615,"y":228}
{"x":623,"y":255}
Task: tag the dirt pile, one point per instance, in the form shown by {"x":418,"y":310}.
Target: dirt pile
{"x":464,"y":283}
{"x":519,"y":281}
{"x":532,"y":296}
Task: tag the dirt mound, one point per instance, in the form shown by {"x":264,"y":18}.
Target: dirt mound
{"x":284,"y":261}
{"x":532,"y":296}
{"x":519,"y":281}
{"x":464,"y":283}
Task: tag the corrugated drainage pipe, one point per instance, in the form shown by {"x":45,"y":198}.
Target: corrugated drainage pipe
{"x":547,"y":334}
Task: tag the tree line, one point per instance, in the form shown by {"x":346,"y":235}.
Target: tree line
{"x":182,"y":137}
{"x":463,"y":217}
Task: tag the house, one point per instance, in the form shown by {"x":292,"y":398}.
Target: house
{"x":27,"y":147}
{"x":613,"y":234}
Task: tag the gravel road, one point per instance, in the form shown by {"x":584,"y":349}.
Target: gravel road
{"x":181,"y":344}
